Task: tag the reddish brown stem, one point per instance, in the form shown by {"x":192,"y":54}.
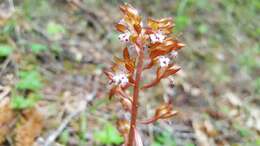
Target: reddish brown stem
{"x":149,"y":85}
{"x":134,"y":112}
{"x":149,"y":121}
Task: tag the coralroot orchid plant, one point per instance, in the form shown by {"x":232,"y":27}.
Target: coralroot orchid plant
{"x":147,"y":46}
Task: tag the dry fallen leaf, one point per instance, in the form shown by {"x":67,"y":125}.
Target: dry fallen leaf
{"x":233,"y":99}
{"x":209,"y":128}
{"x":4,"y":91}
{"x":254,"y":119}
{"x":201,"y":135}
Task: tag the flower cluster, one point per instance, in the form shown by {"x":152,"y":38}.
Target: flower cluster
{"x":147,"y":46}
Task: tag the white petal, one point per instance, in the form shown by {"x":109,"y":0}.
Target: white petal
{"x":153,"y":38}
{"x":123,"y":79}
{"x":157,"y":37}
{"x":164,"y":61}
{"x":120,"y":79}
{"x":116,"y":79}
{"x":124,"y":37}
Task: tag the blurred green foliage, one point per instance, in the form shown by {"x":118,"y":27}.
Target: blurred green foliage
{"x":56,"y":48}
{"x":29,"y":80}
{"x":218,"y":72}
{"x":38,"y":48}
{"x":243,"y":132}
{"x":8,"y":28}
{"x":83,"y":129}
{"x":256,"y":85}
{"x":249,"y":59}
{"x":21,"y":102}
{"x":257,"y":141}
{"x":35,"y":8}
{"x":108,"y":135}
{"x":5,"y":50}
{"x":55,"y":30}
{"x":165,"y":139}
{"x":203,"y":28}
{"x":26,"y":94}
{"x":64,"y":137}
{"x":181,"y":22}
{"x":190,"y":144}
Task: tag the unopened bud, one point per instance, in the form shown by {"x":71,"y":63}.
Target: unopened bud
{"x":123,"y":126}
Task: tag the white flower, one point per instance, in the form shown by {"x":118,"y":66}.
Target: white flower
{"x":174,"y":54}
{"x":157,"y":37}
{"x":116,"y":79}
{"x":120,"y":79}
{"x":164,"y":61}
{"x":124,"y":37}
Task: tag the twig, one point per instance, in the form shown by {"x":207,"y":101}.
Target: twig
{"x":67,"y":120}
{"x":5,"y":92}
{"x":63,"y":125}
{"x":39,"y":30}
{"x":4,"y":65}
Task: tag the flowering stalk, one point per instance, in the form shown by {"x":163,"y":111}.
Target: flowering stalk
{"x":135,"y":97}
{"x":147,"y":47}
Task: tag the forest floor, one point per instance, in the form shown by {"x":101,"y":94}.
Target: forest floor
{"x":53,"y":53}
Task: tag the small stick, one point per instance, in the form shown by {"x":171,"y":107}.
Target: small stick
{"x":4,"y":65}
{"x":67,"y":120}
{"x":6,"y":91}
{"x":59,"y":130}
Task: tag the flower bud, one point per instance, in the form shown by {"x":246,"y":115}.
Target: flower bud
{"x":162,"y":112}
{"x":123,"y":127}
{"x":165,"y":111}
{"x":126,"y":103}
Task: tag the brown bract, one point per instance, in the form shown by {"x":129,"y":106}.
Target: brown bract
{"x":164,"y":25}
{"x":123,"y":127}
{"x":164,"y":111}
{"x":160,"y":74}
{"x":131,"y":15}
{"x":158,"y":49}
